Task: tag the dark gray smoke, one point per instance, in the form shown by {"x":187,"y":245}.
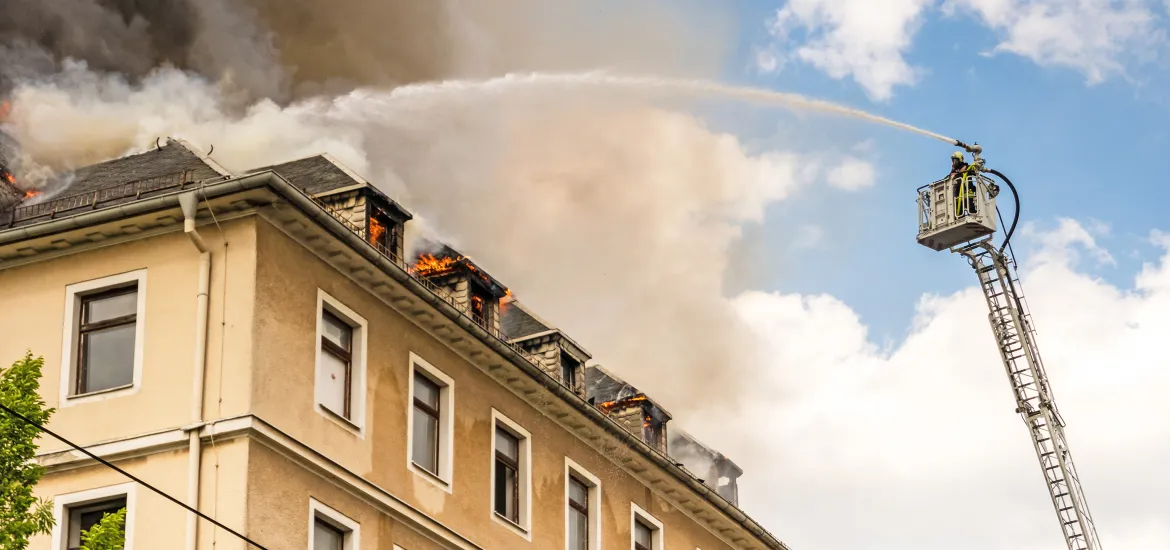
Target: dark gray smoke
{"x":284,"y":49}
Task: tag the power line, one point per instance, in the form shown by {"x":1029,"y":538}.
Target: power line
{"x":129,"y":475}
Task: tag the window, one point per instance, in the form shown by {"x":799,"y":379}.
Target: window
{"x":78,"y":512}
{"x":341,"y":363}
{"x":653,"y":431}
{"x":327,"y":537}
{"x":647,"y":531}
{"x":103,"y":341}
{"x":643,"y":536}
{"x":569,"y":367}
{"x":582,"y":508}
{"x":426,"y":424}
{"x":507,"y":478}
{"x":511,"y":474}
{"x":479,"y":306}
{"x":337,"y":358}
{"x":578,"y":515}
{"x":330,"y":529}
{"x":383,"y":232}
{"x":82,"y":518}
{"x":430,"y":436}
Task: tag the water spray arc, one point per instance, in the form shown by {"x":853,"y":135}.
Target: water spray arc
{"x":636,"y":84}
{"x":950,"y":216}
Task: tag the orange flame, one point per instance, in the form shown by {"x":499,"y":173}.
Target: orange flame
{"x":31,"y":193}
{"x":5,"y":110}
{"x":377,"y":230}
{"x":609,"y":405}
{"x":428,"y":264}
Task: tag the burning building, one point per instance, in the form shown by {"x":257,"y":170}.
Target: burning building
{"x":558,"y":355}
{"x":328,"y":379}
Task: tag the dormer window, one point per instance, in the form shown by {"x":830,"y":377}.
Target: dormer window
{"x":383,"y":232}
{"x":569,"y":369}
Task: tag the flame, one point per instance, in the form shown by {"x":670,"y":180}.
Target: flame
{"x":477,"y":307}
{"x":428,"y":264}
{"x":5,"y":110}
{"x":609,"y":405}
{"x":8,"y":177}
{"x":31,"y":193}
{"x":377,"y":230}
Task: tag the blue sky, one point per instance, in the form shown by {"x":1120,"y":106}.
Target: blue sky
{"x":1088,"y":151}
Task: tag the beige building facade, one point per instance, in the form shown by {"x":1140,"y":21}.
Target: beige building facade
{"x":250,"y":346}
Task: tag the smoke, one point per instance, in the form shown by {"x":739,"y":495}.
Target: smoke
{"x":611,"y":215}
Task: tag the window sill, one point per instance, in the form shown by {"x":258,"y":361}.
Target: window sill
{"x":342,"y":421}
{"x":102,"y":392}
{"x":430,"y":476}
{"x":100,"y":395}
{"x":513,"y":526}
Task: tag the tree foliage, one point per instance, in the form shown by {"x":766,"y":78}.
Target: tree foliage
{"x":21,"y":514}
{"x":107,"y":534}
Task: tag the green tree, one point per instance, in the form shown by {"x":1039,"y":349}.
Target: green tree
{"x":21,"y":514}
{"x":107,"y":534}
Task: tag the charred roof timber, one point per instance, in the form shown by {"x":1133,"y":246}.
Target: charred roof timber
{"x":629,"y":406}
{"x":558,"y":354}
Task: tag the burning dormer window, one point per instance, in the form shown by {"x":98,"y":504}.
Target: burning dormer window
{"x":383,"y":232}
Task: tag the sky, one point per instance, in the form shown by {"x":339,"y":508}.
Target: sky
{"x":896,"y":429}
{"x":754,"y":269}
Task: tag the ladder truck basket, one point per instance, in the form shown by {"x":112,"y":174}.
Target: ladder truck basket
{"x":956,"y":210}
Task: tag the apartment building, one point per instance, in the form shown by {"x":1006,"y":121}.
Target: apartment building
{"x":257,"y":346}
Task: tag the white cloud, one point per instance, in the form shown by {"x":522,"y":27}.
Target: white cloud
{"x":917,"y":446}
{"x":1094,"y":37}
{"x":861,"y":39}
{"x":852,"y":174}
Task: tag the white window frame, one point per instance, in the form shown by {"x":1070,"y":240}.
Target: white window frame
{"x":657,"y":536}
{"x":62,"y":503}
{"x":357,"y":421}
{"x":320,"y":511}
{"x":444,"y":478}
{"x":593,"y":483}
{"x":69,"y":340}
{"x":524,"y":528}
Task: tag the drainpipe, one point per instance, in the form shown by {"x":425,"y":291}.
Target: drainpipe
{"x":189,"y":203}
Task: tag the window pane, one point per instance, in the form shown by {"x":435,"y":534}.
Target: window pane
{"x":578,"y":530}
{"x":104,"y":309}
{"x":424,"y":439}
{"x":642,"y":534}
{"x":82,"y":518}
{"x":336,"y":331}
{"x":332,"y":383}
{"x":578,"y":493}
{"x":326,"y":537}
{"x":426,"y":391}
{"x":507,"y":445}
{"x":109,"y":358}
{"x":506,"y":492}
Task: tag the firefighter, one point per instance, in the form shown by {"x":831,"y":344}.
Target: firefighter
{"x":964,"y":186}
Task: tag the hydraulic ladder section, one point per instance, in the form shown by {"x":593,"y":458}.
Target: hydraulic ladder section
{"x":1011,"y":325}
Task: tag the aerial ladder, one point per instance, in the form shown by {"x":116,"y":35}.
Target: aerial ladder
{"x":959,"y":213}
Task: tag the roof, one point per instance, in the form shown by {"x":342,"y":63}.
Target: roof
{"x":173,"y":157}
{"x":118,"y":181}
{"x":322,"y":175}
{"x":517,"y":322}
